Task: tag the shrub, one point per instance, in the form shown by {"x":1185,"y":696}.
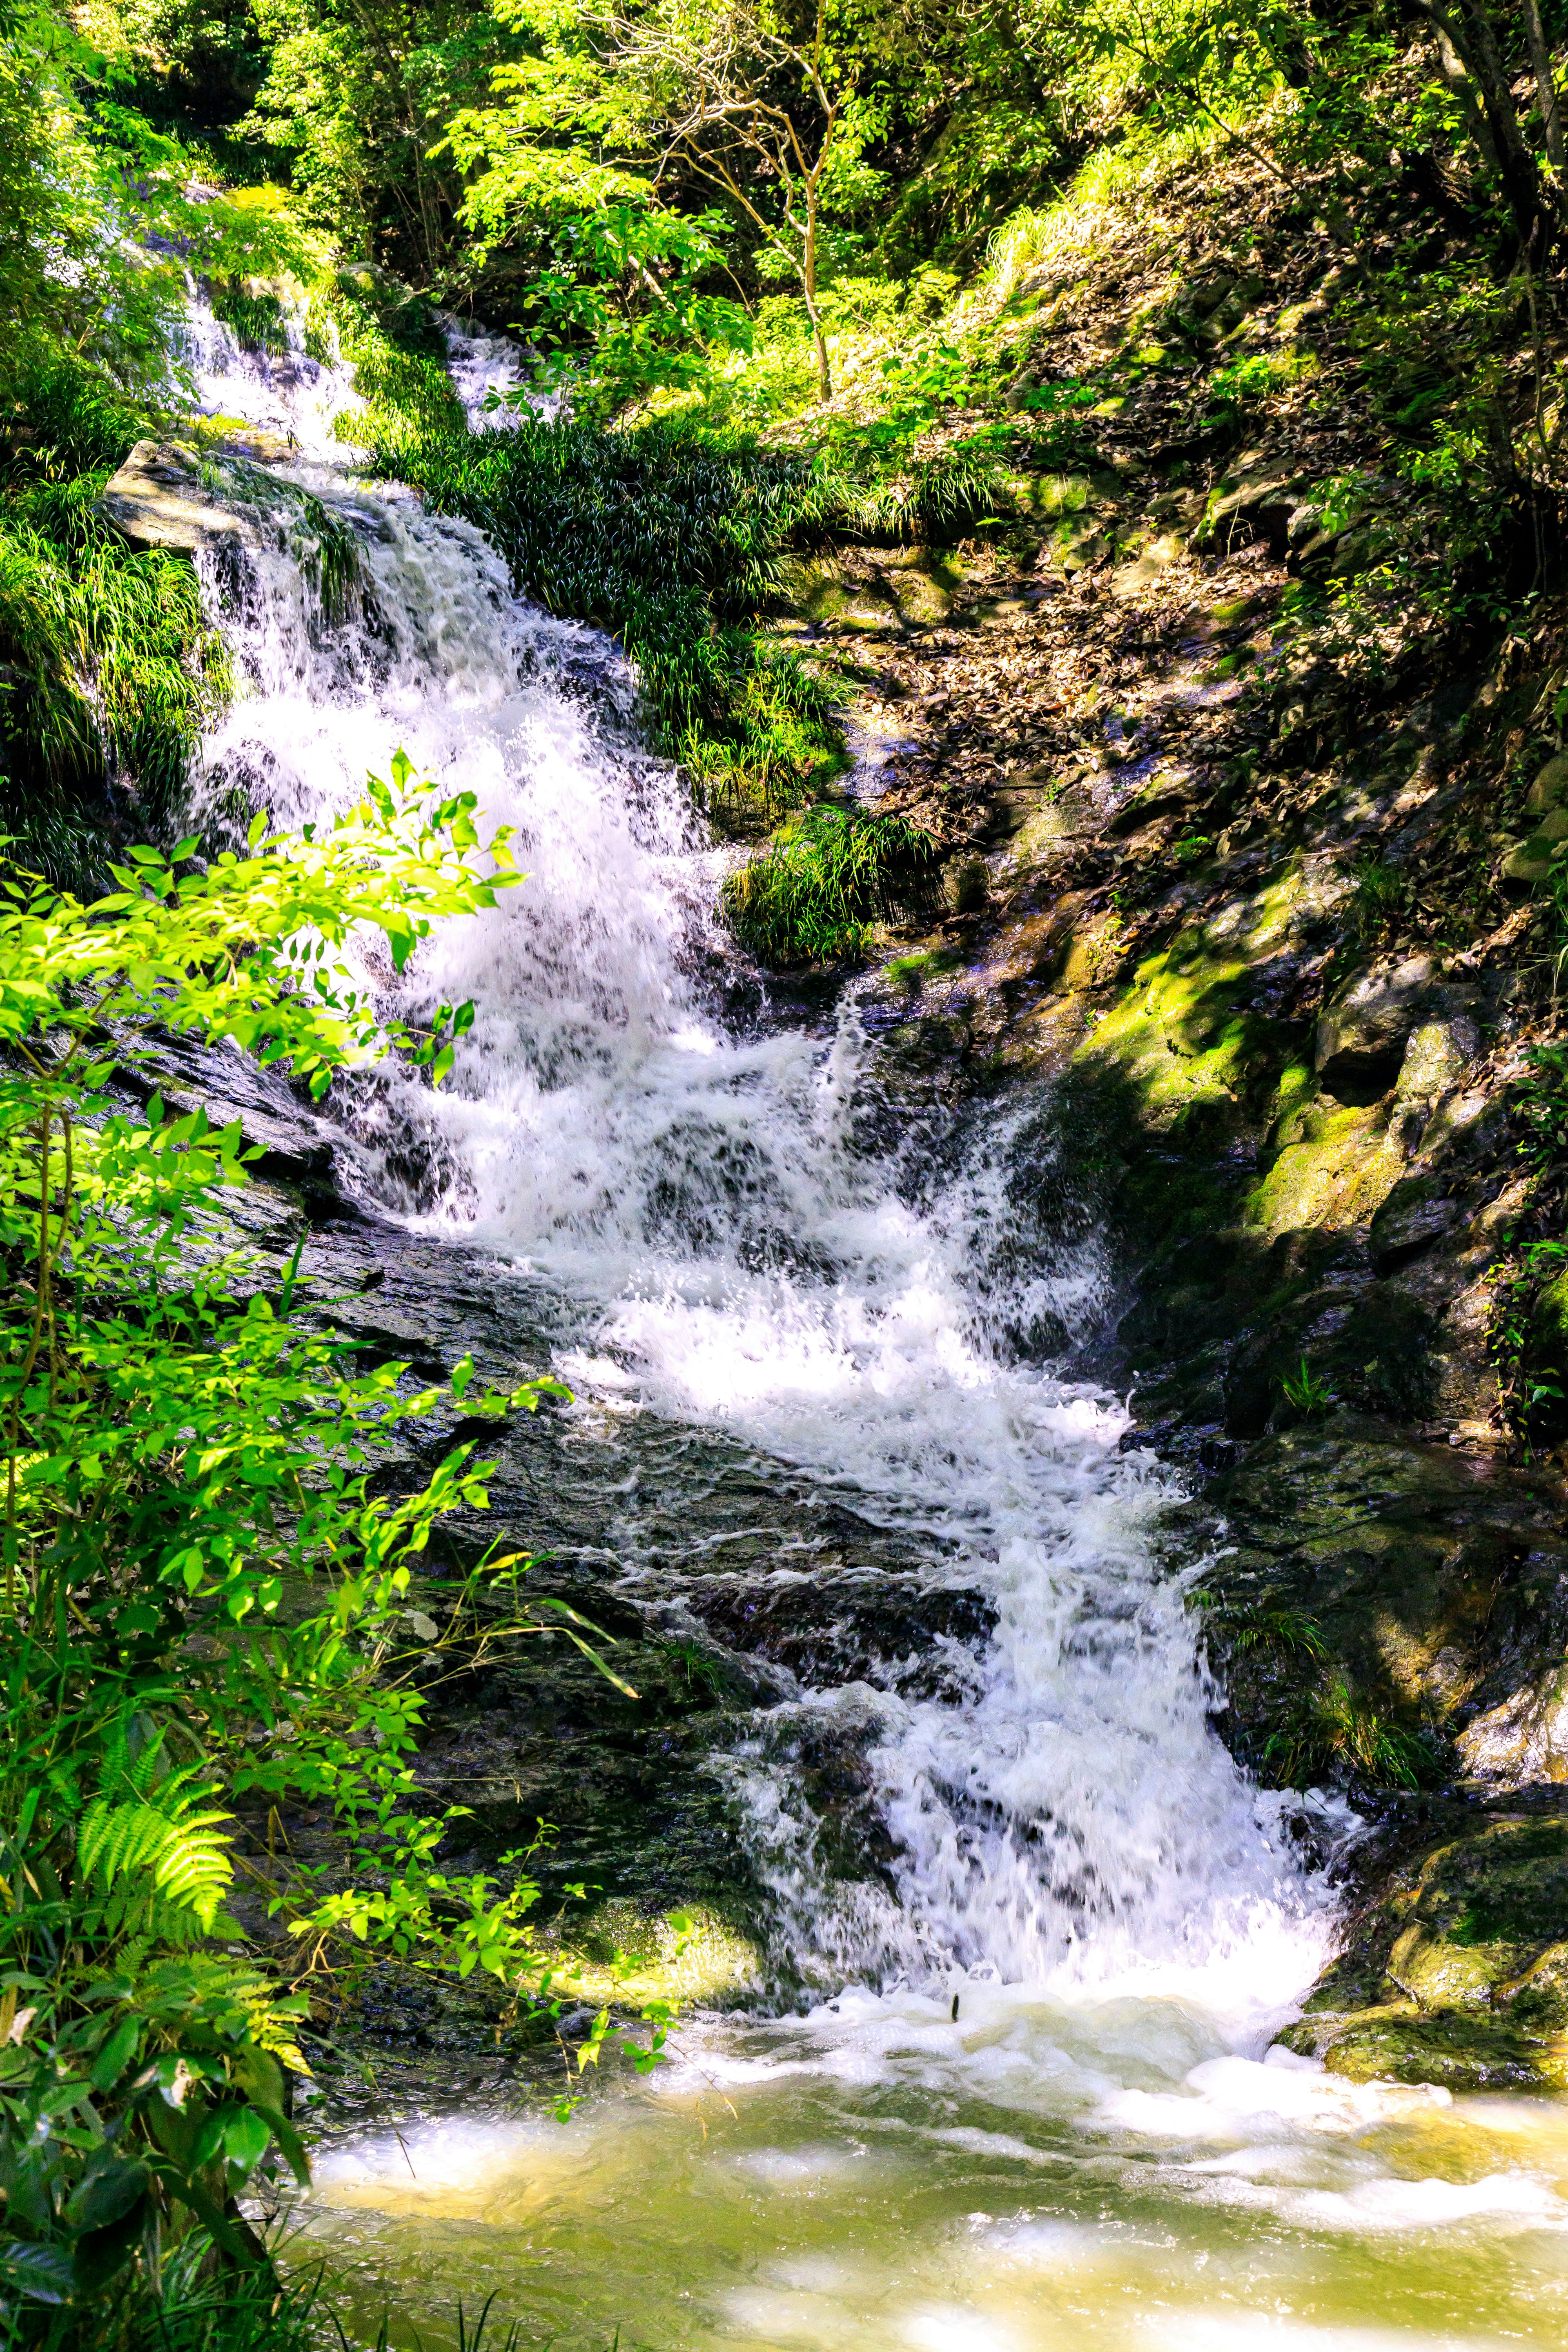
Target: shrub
{"x":183,"y":1448}
{"x":810,"y":896}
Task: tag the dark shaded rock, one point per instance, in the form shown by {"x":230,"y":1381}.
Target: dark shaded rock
{"x":1359,"y":1045}
{"x":1415,"y":1215}
{"x":1431,"y":1579}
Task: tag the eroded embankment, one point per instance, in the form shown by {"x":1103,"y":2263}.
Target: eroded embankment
{"x":1282,"y":924}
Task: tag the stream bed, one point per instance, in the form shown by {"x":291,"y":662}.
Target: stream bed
{"x":1026,"y":2093}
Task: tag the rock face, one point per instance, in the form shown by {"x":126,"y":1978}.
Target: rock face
{"x":1360,"y":1041}
{"x":158,"y":498}
{"x":1456,"y":1971}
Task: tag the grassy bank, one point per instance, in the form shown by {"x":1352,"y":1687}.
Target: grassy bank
{"x":672,"y":542}
{"x":110,"y":669}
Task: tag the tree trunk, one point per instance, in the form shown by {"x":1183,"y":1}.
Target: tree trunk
{"x":1452,"y":68}
{"x":1521,"y":178}
{"x":1541,"y":59}
{"x":808,"y":286}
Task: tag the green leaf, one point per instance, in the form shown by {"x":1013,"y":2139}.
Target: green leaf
{"x":246,"y":2138}
{"x":106,"y":2192}
{"x":116,"y":2054}
{"x":287,"y":2139}
{"x":44,"y":2274}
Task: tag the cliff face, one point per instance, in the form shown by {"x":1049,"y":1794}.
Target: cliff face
{"x":1249,"y":829}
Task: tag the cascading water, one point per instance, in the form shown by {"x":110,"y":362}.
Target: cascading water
{"x":743,"y":1234}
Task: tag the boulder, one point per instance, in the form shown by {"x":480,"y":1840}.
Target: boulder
{"x":159,"y":499}
{"x":1549,"y":790}
{"x":1359,"y":1047}
{"x":1529,"y":861}
{"x":1264,"y":492}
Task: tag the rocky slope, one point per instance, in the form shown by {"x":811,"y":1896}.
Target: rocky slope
{"x":1279,"y":919}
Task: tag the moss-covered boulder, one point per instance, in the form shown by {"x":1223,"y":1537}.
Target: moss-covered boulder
{"x":1456,"y":1971}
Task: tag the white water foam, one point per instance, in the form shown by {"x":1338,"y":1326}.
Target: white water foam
{"x":754,"y":1239}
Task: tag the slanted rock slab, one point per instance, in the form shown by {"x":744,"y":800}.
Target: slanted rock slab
{"x":159,"y":499}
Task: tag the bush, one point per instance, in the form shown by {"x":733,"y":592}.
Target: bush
{"x":811,"y":895}
{"x":184,"y":1448}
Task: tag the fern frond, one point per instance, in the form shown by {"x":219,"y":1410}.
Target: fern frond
{"x":184,"y":1851}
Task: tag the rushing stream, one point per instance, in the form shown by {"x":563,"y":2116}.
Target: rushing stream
{"x":1034,"y":2102}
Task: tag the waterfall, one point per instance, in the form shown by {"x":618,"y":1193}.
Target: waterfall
{"x":747,"y":1232}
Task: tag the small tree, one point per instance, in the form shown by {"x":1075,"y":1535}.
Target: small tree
{"x":758,"y":113}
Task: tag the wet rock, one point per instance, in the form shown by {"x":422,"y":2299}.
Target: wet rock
{"x":1523,"y":1740}
{"x":965,"y":883}
{"x":1454,"y":1966}
{"x":158,"y":498}
{"x":1547,"y":802}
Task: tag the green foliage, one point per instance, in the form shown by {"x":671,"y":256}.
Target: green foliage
{"x":392,"y":340}
{"x":108,"y":671}
{"x":1305,"y":1393}
{"x":1333,"y":1729}
{"x":674,"y":542}
{"x":1382,"y":895}
{"x":697,"y":1667}
{"x":257,"y":318}
{"x":99,"y":217}
{"x":1526,"y":1340}
{"x":811,"y":895}
{"x":1543,"y":1105}
{"x":1286,"y":1632}
{"x":187,"y":1448}
{"x":1329,"y":1729}
{"x":114,"y":672}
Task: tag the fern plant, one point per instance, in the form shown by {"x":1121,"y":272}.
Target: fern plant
{"x":150,"y":1823}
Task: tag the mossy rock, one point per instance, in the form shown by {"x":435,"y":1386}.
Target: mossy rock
{"x":1456,"y":1973}
{"x":627,"y":1953}
{"x":1398,"y":2042}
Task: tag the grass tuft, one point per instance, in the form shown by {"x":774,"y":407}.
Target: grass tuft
{"x":256,"y":320}
{"x":811,"y":895}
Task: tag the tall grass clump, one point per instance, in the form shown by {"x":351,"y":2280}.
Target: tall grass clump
{"x":256,"y":320}
{"x":392,"y":341}
{"x":812,"y":894}
{"x":110,"y":668}
{"x":113,"y":674}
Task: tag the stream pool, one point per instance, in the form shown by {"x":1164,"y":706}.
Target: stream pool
{"x":1038,"y":2176}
